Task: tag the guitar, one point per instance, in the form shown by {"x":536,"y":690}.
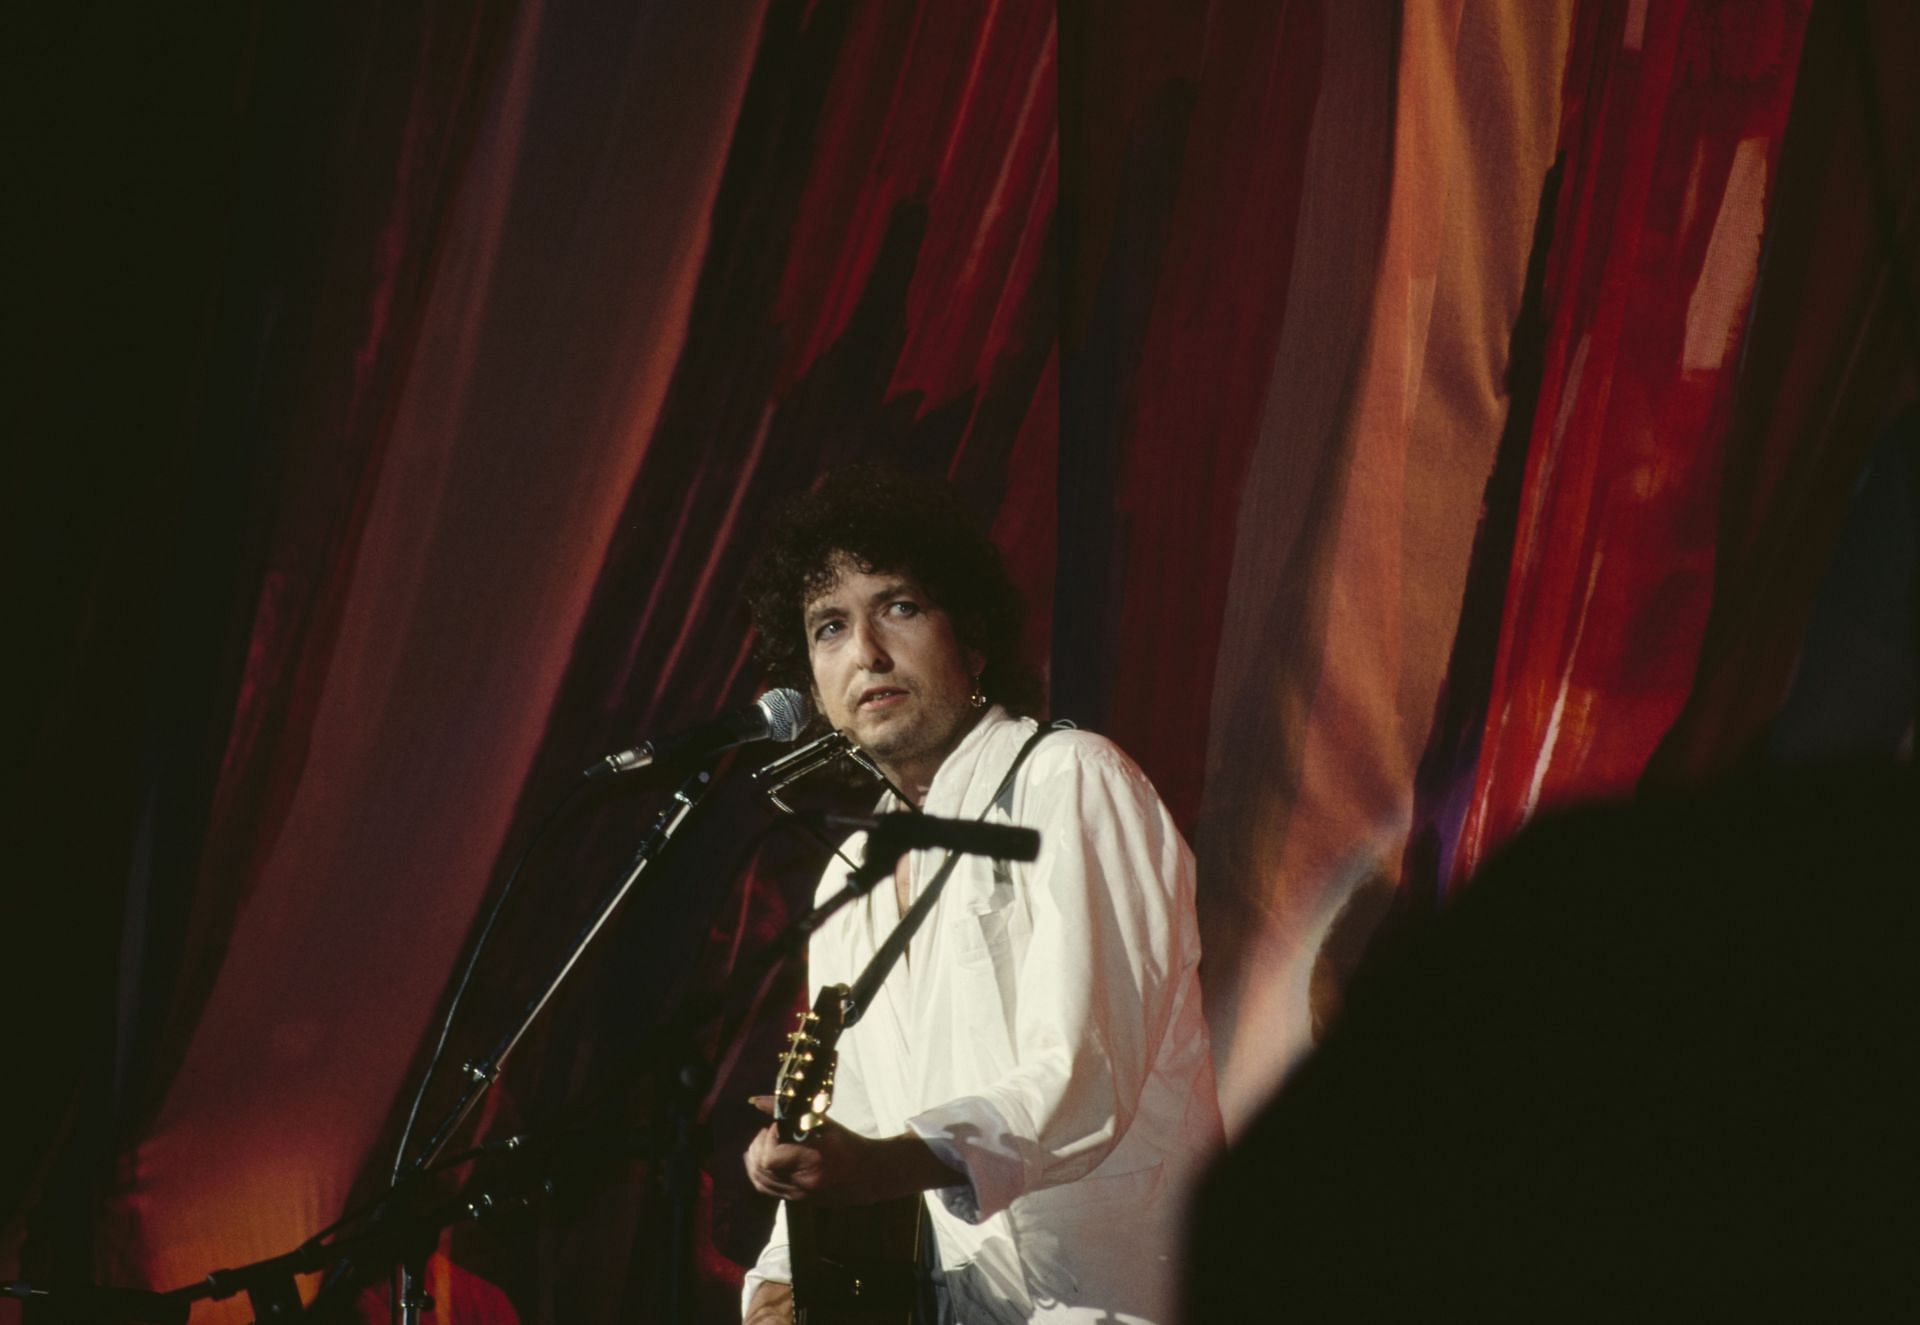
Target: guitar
{"x":853,"y":1266}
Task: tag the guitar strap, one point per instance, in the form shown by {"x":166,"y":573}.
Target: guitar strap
{"x":883,"y":962}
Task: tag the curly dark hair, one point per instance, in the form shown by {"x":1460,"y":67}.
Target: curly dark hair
{"x":885,"y":520}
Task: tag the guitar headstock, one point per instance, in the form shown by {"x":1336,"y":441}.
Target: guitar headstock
{"x":803,"y":1092}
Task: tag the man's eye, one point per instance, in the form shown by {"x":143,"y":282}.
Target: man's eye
{"x":904,"y":607}
{"x":826,"y":629}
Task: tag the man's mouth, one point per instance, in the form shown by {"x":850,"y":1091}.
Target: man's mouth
{"x":880,"y":697}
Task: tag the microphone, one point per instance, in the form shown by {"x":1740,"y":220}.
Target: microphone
{"x":903,"y":832}
{"x":777,"y":715}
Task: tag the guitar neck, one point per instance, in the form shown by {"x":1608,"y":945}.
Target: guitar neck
{"x":852,"y":1266}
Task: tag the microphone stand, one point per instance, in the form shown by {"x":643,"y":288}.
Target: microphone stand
{"x":409,"y":1300}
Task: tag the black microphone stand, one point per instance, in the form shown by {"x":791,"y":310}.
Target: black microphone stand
{"x":409,"y":1301}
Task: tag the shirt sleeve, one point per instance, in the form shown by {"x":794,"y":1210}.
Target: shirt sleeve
{"x":1113,"y":935}
{"x":939,"y":1128}
{"x":775,"y":1263}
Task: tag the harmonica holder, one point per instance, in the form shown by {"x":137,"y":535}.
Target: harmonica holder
{"x":809,"y":758}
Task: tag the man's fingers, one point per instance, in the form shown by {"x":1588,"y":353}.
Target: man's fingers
{"x":756,"y":1157}
{"x":764,"y":1103}
{"x":763,"y":1178}
{"x":764,"y":1169}
{"x":778,"y":1168}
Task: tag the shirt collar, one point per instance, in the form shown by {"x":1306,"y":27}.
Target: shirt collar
{"x":955,"y":774}
{"x":960,"y":770}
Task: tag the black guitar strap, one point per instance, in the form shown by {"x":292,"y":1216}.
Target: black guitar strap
{"x":861,"y":995}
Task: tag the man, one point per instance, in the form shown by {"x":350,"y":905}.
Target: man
{"x":1037,"y":1064}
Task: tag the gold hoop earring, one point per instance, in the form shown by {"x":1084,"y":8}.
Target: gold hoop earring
{"x":979,"y":697}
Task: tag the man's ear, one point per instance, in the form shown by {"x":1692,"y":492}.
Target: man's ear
{"x":976,"y":662}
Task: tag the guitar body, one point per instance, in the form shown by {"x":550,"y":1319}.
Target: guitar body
{"x":859,"y":1265}
{"x":855,"y":1266}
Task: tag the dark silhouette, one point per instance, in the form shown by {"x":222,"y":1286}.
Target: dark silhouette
{"x":1658,"y":1059}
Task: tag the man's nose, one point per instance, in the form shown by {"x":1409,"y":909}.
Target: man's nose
{"x":873,"y":656}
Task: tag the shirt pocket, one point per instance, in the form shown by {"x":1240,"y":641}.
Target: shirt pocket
{"x":984,"y":920}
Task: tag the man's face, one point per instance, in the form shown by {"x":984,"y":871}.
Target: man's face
{"x":889,"y":672}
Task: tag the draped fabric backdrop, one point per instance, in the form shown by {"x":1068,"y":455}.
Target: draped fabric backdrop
{"x":1401,"y":417}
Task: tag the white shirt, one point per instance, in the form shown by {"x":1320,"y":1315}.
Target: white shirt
{"x":1043,"y":1035}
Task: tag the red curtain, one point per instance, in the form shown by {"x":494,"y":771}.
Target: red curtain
{"x":1402,"y":418}
{"x":1671,"y":133}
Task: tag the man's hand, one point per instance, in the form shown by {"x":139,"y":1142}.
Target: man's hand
{"x":772,"y":1305}
{"x":837,"y":1167}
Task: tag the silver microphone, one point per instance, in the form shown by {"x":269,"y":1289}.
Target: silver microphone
{"x":778,"y":715}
